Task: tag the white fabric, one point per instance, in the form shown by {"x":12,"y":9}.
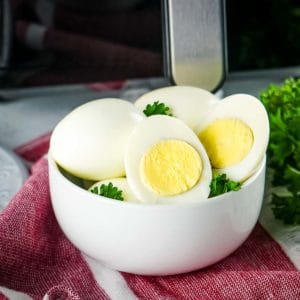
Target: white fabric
{"x":13,"y":295}
{"x":111,"y":281}
{"x":287,"y":236}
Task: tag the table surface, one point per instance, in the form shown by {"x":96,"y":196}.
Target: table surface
{"x":31,"y":112}
{"x":28,"y":113}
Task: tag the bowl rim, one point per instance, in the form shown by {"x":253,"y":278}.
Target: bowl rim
{"x":108,"y":201}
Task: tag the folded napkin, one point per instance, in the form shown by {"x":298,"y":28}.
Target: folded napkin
{"x":38,"y":261}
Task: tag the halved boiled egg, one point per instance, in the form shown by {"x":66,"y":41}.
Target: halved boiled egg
{"x":190,"y":104}
{"x":90,"y":141}
{"x":121,"y":184}
{"x":166,"y":163}
{"x":235,"y":135}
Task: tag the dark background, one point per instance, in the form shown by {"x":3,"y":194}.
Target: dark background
{"x":94,"y":40}
{"x":263,"y":34}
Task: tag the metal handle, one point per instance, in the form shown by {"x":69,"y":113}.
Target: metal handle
{"x":195,"y":45}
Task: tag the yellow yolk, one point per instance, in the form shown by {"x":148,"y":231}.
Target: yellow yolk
{"x":171,"y":167}
{"x":227,"y":142}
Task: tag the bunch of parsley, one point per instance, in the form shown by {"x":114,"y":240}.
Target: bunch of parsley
{"x":283,"y":106}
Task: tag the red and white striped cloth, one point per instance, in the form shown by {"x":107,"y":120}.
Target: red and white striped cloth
{"x":37,"y":260}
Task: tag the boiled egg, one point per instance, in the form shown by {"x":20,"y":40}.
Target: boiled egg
{"x":121,"y":184}
{"x":90,"y":141}
{"x":235,"y":135}
{"x":166,"y":163}
{"x":190,"y":104}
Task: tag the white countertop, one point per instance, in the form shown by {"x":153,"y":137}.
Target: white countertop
{"x":29,"y":113}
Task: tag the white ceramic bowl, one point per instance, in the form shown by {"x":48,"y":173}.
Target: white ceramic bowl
{"x":156,"y":239}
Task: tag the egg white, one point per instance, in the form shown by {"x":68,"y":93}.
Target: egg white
{"x":90,"y":141}
{"x":150,"y":132}
{"x":251,"y":111}
{"x":190,"y":104}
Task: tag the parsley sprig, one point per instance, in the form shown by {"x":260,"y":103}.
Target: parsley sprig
{"x":157,"y":108}
{"x":109,"y":191}
{"x":220,"y":184}
{"x":287,"y":208}
{"x":283,"y":106}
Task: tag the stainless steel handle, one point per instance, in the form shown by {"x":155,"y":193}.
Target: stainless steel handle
{"x":195,"y":44}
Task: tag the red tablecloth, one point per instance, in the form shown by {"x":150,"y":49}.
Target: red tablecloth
{"x":37,"y":259}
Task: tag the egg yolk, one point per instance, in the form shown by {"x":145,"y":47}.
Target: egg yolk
{"x":227,"y":142}
{"x":171,"y":167}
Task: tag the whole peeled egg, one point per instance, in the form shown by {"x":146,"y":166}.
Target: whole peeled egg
{"x":166,"y":163}
{"x":190,"y":104}
{"x":235,"y":135}
{"x":90,"y":141}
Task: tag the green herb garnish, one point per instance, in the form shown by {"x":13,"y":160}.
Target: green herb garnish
{"x":157,"y":108}
{"x":283,"y":106}
{"x":109,"y":191}
{"x":287,"y":208}
{"x":220,"y":184}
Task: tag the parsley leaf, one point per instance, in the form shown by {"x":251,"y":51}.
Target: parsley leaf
{"x":109,"y":191}
{"x":220,"y":184}
{"x":157,"y":108}
{"x":287,"y":208}
{"x":283,"y":106}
